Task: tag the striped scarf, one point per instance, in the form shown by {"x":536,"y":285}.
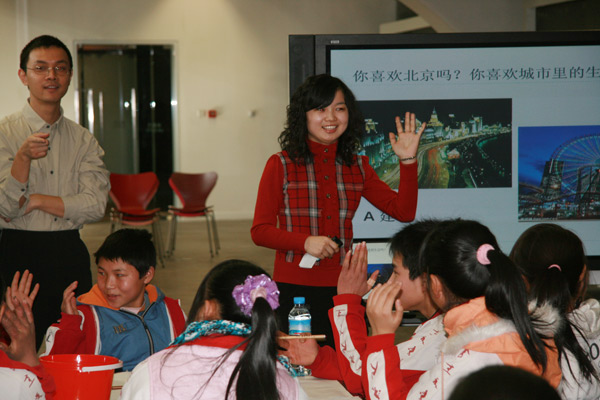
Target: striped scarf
{"x":198,"y":329}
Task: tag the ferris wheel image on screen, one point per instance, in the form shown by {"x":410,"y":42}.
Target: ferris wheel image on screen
{"x":580,"y":156}
{"x":568,"y":184}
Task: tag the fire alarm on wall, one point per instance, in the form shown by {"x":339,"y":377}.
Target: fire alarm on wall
{"x":212,"y":113}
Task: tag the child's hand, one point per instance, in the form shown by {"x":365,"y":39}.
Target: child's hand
{"x":69,"y":303}
{"x":383,"y":318}
{"x":300,"y":351}
{"x":20,"y":290}
{"x":353,"y":276}
{"x":18,"y":323}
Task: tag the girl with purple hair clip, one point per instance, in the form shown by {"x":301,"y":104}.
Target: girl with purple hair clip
{"x":229,"y":348}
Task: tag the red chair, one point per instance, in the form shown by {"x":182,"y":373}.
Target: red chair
{"x":193,"y":190}
{"x":131,"y":194}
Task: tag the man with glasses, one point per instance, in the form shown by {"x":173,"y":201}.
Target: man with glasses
{"x":52,"y":181}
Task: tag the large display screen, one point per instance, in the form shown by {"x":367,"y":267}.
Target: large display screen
{"x":513,"y":125}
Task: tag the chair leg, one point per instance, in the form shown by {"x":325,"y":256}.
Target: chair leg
{"x":116,"y":225}
{"x":174,"y":232}
{"x":215,"y":233}
{"x":172,"y":218}
{"x":114,"y":220}
{"x":158,"y":240}
{"x":210,"y":240}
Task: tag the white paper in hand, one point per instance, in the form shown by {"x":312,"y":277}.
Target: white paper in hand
{"x":308,"y":261}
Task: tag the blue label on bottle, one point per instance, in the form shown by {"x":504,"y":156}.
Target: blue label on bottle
{"x":298,"y":327}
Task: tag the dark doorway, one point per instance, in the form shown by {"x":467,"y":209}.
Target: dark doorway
{"x":125,"y":98}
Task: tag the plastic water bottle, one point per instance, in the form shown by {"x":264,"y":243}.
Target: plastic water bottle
{"x":299,"y":324}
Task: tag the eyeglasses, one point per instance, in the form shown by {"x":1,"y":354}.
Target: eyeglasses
{"x":60,"y":70}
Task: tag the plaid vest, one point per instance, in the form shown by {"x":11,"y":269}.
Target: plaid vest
{"x":301,"y":211}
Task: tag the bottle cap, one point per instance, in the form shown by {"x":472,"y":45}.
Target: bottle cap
{"x":299,"y":300}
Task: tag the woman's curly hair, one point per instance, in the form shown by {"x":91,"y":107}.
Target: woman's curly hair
{"x":316,"y":92}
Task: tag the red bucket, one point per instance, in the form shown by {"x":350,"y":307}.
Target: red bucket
{"x":81,"y":376}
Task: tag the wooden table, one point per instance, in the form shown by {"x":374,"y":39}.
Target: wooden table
{"x":315,"y":388}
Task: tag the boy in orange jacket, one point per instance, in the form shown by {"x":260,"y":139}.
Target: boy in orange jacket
{"x":123,"y":316}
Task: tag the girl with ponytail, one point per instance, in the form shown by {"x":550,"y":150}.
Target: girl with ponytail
{"x":552,"y":260}
{"x":228,"y":350}
{"x":486,"y":318}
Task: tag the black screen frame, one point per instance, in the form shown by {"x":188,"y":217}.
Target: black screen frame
{"x":310,"y":54}
{"x":320,"y":46}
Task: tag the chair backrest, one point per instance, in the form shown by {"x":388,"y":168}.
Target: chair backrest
{"x":193,"y":189}
{"x":133,"y":191}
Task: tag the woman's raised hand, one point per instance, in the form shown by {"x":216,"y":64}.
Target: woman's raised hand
{"x":405,"y":142}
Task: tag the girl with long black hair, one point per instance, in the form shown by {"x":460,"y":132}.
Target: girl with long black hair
{"x":486,"y":317}
{"x":553,"y":261}
{"x":228,"y":350}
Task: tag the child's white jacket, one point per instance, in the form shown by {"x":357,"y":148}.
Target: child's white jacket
{"x":574,"y":386}
{"x":476,"y":339}
{"x":415,"y":355}
{"x":189,"y":371}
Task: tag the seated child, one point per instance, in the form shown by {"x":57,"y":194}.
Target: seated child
{"x":552,"y":259}
{"x":415,"y":355}
{"x":228,"y":351}
{"x":123,"y":316}
{"x":486,"y":317}
{"x":501,"y":382}
{"x":22,"y":376}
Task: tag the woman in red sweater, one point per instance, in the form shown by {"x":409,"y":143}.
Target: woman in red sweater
{"x":310,"y":191}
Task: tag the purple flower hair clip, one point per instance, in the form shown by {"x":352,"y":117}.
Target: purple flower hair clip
{"x":253,"y":287}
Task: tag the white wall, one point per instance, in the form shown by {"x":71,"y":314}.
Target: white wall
{"x":9,"y":61}
{"x":230,"y":55}
{"x":446,"y":16}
